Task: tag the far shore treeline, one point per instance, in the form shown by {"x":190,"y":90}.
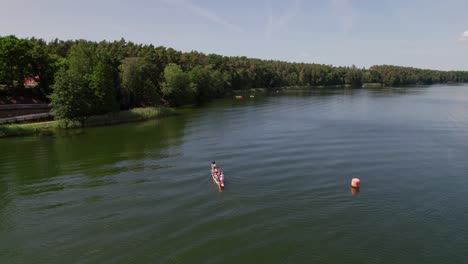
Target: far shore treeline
{"x":83,"y":78}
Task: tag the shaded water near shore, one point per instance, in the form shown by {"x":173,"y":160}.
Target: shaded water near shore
{"x":141,"y":192}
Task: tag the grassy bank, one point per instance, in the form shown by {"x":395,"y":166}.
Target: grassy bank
{"x":133,"y":115}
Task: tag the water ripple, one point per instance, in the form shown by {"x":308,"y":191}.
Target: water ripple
{"x":142,"y":193}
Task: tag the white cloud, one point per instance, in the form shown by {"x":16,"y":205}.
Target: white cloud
{"x":204,"y":13}
{"x":276,"y":23}
{"x":463,"y":36}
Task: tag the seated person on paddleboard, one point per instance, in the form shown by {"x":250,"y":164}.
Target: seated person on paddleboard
{"x":216,"y":171}
{"x":218,"y":174}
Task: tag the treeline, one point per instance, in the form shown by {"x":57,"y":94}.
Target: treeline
{"x":83,"y":78}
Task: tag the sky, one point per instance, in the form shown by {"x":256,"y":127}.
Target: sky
{"x":424,"y":34}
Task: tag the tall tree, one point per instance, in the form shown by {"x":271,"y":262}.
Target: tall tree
{"x":176,"y":87}
{"x":72,"y":98}
{"x":15,"y":58}
{"x":137,"y":88}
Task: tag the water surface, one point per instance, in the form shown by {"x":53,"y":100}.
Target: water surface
{"x":141,"y":193}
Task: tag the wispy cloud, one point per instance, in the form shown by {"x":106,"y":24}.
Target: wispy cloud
{"x":276,"y":23}
{"x":204,"y":13}
{"x":463,"y":36}
{"x":344,"y":10}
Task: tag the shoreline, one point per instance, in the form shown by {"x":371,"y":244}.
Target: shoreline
{"x":109,"y":119}
{"x":253,"y":91}
{"x":140,"y":114}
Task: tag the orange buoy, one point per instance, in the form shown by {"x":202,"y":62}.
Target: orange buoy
{"x":355,"y":182}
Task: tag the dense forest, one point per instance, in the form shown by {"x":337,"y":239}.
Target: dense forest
{"x":83,"y":78}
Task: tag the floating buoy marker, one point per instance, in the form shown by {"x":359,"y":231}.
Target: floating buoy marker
{"x":355,"y":182}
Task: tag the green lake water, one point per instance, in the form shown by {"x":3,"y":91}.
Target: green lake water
{"x":142,"y":193}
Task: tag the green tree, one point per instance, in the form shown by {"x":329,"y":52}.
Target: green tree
{"x":293,"y":79}
{"x":103,"y":88}
{"x":137,"y":86}
{"x":15,"y":59}
{"x":203,"y":83}
{"x":92,"y":77}
{"x":176,"y":87}
{"x":72,"y":99}
{"x":354,"y":76}
{"x":82,"y":58}
{"x":43,"y":64}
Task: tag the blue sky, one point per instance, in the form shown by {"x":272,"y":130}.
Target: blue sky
{"x":426,"y":34}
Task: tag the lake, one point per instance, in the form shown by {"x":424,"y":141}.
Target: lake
{"x":142,"y":193}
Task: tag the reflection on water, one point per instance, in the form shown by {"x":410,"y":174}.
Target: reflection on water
{"x":91,"y":151}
